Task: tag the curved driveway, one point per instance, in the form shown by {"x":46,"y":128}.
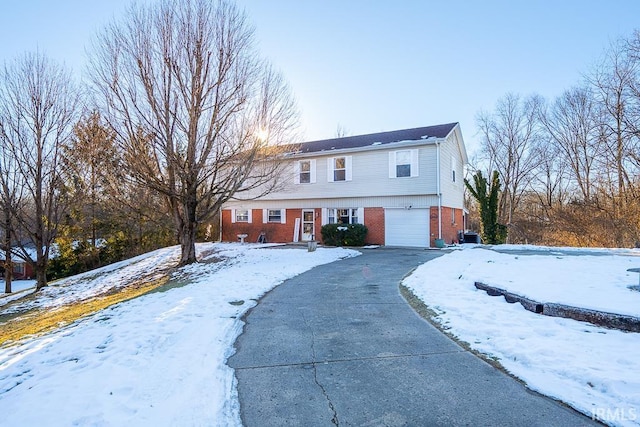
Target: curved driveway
{"x":338,"y":345}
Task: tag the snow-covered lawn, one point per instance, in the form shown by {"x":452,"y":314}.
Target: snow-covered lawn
{"x":593,"y":369}
{"x":155,"y":360}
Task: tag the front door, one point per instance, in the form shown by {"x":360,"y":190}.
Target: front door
{"x":308,"y":217}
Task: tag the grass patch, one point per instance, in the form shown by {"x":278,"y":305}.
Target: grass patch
{"x":37,"y":322}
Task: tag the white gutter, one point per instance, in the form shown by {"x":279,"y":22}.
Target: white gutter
{"x":220,"y":231}
{"x":438,"y":189}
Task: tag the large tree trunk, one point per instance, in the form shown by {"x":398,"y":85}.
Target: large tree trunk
{"x":8,"y":265}
{"x":40,"y":267}
{"x":8,"y":271}
{"x":188,"y":230}
{"x":188,"y":244}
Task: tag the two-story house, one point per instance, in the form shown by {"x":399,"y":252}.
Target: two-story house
{"x":406,"y":186}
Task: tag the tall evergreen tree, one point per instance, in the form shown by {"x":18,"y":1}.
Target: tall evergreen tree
{"x":488,"y":196}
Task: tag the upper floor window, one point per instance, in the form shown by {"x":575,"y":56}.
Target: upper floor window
{"x":454,"y":167}
{"x":305,"y":171}
{"x":339,"y":169}
{"x":403,"y":163}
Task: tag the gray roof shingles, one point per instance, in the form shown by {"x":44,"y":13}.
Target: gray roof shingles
{"x":415,"y":134}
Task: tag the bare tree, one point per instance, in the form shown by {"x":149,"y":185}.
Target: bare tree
{"x":198,"y":115}
{"x":614,"y":80}
{"x":10,"y":196}
{"x":38,"y":105}
{"x":510,"y":137}
{"x":573,"y":127}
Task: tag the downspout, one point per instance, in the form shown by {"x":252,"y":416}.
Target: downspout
{"x":220,"y":219}
{"x":439,"y":189}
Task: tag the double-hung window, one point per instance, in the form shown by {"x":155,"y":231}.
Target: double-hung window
{"x":339,"y":169}
{"x":274,"y":216}
{"x":403,"y":163}
{"x":241,"y":215}
{"x":304,"y":171}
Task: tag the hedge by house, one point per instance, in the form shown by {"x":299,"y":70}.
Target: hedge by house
{"x":344,"y":234}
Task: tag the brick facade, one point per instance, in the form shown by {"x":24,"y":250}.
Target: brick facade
{"x":374,"y":220}
{"x":283,"y":233}
{"x":452,"y":223}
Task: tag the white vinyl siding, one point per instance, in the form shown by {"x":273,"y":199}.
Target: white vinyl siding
{"x":339,"y":169}
{"x":274,"y":216}
{"x":370,"y":178}
{"x":403,"y":163}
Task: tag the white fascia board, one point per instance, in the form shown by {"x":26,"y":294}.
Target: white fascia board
{"x":372,"y":147}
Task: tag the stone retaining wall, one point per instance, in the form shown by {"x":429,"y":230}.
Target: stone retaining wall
{"x":600,"y":318}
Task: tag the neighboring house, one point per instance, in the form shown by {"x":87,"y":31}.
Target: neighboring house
{"x":406,"y":186}
{"x":21,"y":268}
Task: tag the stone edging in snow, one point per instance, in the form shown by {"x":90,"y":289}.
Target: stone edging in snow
{"x":600,"y":318}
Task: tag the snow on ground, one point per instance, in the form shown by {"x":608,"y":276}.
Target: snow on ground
{"x":595,"y":370}
{"x":155,"y":360}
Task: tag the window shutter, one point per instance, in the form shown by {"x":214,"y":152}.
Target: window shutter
{"x":283,"y":216}
{"x":233,"y":216}
{"x":361,"y":216}
{"x":330,"y":163}
{"x":392,"y":164}
{"x":296,"y":172}
{"x":313,"y":171}
{"x":348,"y":163}
{"x":250,"y":211}
{"x":414,"y":163}
{"x":265,"y":216}
{"x":325,"y":216}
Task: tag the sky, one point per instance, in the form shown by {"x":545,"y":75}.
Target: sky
{"x":368,"y":67}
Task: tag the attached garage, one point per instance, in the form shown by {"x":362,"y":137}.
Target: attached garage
{"x":406,"y":227}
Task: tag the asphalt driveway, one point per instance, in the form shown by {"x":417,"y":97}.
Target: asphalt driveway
{"x":338,"y":345}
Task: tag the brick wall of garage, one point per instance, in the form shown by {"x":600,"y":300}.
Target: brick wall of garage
{"x":449,"y":228}
{"x":374,"y":220}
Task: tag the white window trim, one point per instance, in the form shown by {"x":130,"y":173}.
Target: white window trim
{"x":297,"y":169}
{"x":265,"y":216}
{"x":348,"y":166}
{"x":414,"y":164}
{"x":325,"y":214}
{"x":233,"y":215}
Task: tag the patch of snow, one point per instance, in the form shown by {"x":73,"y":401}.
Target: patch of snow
{"x":593,"y":369}
{"x":154,"y":360}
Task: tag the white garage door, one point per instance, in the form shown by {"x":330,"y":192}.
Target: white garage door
{"x":406,"y":227}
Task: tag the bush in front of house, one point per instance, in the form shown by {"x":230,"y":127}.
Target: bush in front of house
{"x":344,"y":234}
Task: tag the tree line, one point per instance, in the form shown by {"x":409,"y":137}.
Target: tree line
{"x":569,"y":168}
{"x":178,"y":114}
